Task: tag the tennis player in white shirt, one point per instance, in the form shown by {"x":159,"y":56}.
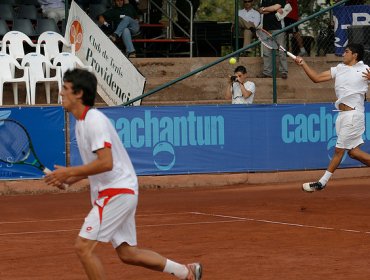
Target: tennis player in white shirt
{"x":113,"y":186}
{"x":351,"y":85}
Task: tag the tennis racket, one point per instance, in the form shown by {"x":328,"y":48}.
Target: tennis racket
{"x":16,"y":146}
{"x":269,"y":42}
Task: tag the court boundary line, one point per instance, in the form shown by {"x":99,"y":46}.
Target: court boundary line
{"x":281,"y":223}
{"x":230,"y":219}
{"x":81,"y":219}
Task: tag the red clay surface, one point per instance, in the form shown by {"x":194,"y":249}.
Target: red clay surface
{"x":237,"y":232}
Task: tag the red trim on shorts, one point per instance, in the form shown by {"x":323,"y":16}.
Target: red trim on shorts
{"x":107,"y":145}
{"x":108,"y":194}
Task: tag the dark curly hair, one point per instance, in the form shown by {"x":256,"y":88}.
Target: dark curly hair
{"x":85,"y":81}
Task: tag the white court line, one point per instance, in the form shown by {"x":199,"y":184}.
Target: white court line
{"x":231,"y":219}
{"x":144,"y":226}
{"x":37,"y":221}
{"x":80,"y":219}
{"x":279,"y":223}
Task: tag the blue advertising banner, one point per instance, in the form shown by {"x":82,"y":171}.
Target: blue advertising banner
{"x":345,"y":16}
{"x":227,"y":138}
{"x":46,"y":128}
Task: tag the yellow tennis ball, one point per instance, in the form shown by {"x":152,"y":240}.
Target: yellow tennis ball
{"x":232,"y":60}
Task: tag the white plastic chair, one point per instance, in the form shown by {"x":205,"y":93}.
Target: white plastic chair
{"x":8,"y":63}
{"x":13,"y":41}
{"x":68,"y":61}
{"x":49,"y":41}
{"x":36,"y":63}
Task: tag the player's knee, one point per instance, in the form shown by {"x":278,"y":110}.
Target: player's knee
{"x":352,"y":154}
{"x":80,"y":248}
{"x":127,"y":254}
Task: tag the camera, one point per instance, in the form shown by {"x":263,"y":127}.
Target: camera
{"x":233,"y":78}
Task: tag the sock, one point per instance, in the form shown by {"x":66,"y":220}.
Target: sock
{"x":324,"y":179}
{"x":179,"y":270}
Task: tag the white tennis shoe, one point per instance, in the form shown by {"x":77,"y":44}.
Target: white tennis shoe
{"x":312,"y":187}
{"x":195,"y":271}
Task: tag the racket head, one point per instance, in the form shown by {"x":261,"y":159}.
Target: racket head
{"x":15,"y":144}
{"x":266,"y":39}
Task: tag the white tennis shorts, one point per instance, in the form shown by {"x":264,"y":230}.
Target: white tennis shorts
{"x":350,"y":126}
{"x":118,"y":221}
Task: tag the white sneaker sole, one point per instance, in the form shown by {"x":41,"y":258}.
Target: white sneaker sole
{"x":306,"y":188}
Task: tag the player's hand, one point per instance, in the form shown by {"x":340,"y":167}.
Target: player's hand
{"x":58,"y":177}
{"x":299,"y":60}
{"x":366,"y":74}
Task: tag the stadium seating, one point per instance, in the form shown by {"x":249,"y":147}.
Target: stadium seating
{"x":9,"y":2}
{"x":28,"y":12}
{"x":7,"y":12}
{"x":46,"y":24}
{"x":25,"y":26}
{"x":4,"y":28}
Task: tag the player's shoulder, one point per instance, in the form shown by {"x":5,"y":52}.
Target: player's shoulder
{"x":361,"y":64}
{"x":94,"y":115}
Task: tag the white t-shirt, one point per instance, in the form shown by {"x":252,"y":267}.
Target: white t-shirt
{"x":251,"y":15}
{"x":94,"y":132}
{"x":237,"y":95}
{"x":350,"y":86}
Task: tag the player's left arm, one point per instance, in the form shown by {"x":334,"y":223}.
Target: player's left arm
{"x":103,"y":163}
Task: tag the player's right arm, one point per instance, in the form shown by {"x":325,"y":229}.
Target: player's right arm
{"x":312,"y":74}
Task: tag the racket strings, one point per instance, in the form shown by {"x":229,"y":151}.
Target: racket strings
{"x":14,"y":143}
{"x":267,"y":40}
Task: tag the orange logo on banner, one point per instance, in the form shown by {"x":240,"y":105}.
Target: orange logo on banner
{"x":75,"y":34}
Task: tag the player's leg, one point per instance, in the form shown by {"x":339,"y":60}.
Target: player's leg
{"x":333,"y":165}
{"x":149,"y":259}
{"x":349,"y":128}
{"x":358,"y":154}
{"x":140,"y":257}
{"x":86,"y":243}
{"x":89,"y":260}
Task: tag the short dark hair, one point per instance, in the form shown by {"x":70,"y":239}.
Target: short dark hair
{"x":357,"y":48}
{"x":82,"y":80}
{"x":240,"y":69}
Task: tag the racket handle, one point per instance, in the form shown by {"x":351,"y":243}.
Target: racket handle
{"x":291,"y":55}
{"x":48,"y":171}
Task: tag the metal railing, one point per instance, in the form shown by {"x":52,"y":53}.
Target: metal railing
{"x":169,"y":14}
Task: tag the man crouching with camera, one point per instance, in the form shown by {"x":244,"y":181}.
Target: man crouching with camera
{"x":239,"y":89}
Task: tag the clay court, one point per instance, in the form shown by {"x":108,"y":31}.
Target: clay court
{"x":269,"y":231}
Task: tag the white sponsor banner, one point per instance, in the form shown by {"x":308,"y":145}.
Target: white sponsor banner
{"x":118,"y":79}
